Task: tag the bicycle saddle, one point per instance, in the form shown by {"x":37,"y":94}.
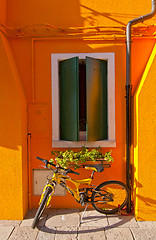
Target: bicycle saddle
{"x":96,"y":167}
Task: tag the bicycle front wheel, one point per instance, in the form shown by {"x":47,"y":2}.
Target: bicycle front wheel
{"x":110,"y":196}
{"x":42,"y":206}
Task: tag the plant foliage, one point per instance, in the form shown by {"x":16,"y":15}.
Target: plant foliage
{"x":68,"y":157}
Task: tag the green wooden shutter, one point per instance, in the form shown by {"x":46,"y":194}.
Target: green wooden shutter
{"x":69,"y":99}
{"x":96,"y":75}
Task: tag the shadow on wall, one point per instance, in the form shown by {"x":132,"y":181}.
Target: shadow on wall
{"x":56,"y":12}
{"x":61,"y":13}
{"x":147,"y":200}
{"x":13,"y":120}
{"x":145,"y":204}
{"x":91,"y":16}
{"x":122,"y":17}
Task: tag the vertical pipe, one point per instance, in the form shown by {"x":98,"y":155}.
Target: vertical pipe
{"x":29,"y":172}
{"x":128,"y":111}
{"x":128,"y":93}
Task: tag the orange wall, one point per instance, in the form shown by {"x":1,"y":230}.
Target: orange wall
{"x":36,"y":76}
{"x":3,"y":11}
{"x":32,"y":58}
{"x":75,"y":12}
{"x":144,"y":143}
{"x":13,"y":138}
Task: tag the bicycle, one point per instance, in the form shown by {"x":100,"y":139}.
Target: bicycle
{"x":108,"y":197}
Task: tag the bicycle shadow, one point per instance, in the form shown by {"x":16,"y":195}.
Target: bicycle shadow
{"x":92,"y":222}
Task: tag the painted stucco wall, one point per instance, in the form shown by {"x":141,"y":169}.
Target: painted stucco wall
{"x":13,"y":138}
{"x":35,"y":29}
{"x":3,"y":11}
{"x":144,"y":143}
{"x":75,"y":13}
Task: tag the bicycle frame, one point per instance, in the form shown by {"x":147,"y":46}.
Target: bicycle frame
{"x":60,"y":179}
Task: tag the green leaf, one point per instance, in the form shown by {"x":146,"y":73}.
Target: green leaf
{"x":67,"y":157}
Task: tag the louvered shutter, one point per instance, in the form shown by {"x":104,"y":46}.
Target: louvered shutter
{"x":69,"y":99}
{"x":96,"y":77}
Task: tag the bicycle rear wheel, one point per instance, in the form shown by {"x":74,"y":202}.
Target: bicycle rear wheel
{"x":41,"y":207}
{"x":110,"y":196}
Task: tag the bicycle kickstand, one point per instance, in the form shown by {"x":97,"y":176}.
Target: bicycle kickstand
{"x":83,"y":213}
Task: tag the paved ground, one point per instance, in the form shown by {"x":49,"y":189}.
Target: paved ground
{"x":65,"y":224}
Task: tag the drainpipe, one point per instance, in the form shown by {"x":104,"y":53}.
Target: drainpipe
{"x":128,"y":92}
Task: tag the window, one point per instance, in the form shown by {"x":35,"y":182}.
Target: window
{"x":83,"y":100}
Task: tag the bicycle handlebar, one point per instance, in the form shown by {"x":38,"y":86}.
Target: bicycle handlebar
{"x":46,"y":162}
{"x":71,"y":171}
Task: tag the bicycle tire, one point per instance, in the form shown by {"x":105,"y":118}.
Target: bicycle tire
{"x":41,"y":207}
{"x":115,"y":197}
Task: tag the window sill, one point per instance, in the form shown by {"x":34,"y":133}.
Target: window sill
{"x":71,"y":144}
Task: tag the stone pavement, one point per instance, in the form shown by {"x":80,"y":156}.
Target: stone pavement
{"x":66,"y":224}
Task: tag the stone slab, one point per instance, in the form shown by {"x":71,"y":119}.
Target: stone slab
{"x":66,"y":233}
{"x":5,"y":232}
{"x":91,"y":233}
{"x":118,"y":234}
{"x":144,"y":233}
{"x":28,"y":221}
{"x":65,"y":224}
{"x":122,"y":221}
{"x":63,"y":218}
{"x":24,"y":233}
{"x":94,"y":218}
{"x":13,"y":223}
{"x":46,"y":234}
{"x":146,"y":224}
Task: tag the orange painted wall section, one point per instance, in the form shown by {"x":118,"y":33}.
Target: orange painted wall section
{"x":13,"y":143}
{"x":144,"y":143}
{"x":75,"y":13}
{"x":3,"y":11}
{"x":30,"y":32}
{"x":41,"y":138}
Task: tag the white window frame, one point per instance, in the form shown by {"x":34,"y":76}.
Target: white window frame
{"x":56,"y":142}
